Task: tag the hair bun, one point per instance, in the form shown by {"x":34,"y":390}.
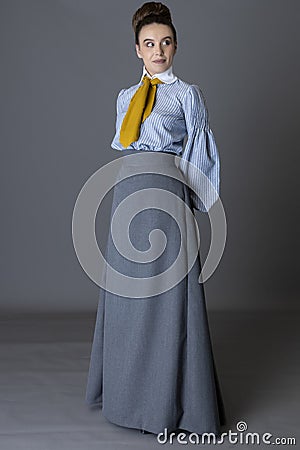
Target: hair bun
{"x":151,"y":9}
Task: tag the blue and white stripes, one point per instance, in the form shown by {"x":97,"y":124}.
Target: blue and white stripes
{"x":179,"y":111}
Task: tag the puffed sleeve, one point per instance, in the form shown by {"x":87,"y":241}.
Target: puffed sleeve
{"x":119,"y":106}
{"x":199,"y":161}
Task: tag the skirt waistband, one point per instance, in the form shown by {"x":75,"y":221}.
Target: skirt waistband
{"x":130,"y":151}
{"x":153,"y":158}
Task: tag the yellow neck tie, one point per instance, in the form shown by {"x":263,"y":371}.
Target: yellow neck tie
{"x":139,"y":109}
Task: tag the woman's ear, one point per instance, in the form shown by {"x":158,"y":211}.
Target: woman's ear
{"x":137,"y":48}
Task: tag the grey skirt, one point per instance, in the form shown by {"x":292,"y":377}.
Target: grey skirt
{"x":151,"y":364}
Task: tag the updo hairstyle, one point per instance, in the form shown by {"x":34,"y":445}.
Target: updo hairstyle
{"x":152,"y":12}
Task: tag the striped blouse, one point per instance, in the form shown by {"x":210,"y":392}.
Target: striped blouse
{"x":179,"y":111}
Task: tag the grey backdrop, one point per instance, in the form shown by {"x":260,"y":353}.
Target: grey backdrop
{"x":62,"y":64}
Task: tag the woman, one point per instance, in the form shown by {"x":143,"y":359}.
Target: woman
{"x":152,"y":364}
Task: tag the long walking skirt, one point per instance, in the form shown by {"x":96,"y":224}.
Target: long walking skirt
{"x":152,"y":365}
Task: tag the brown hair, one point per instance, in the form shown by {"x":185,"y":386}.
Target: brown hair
{"x":152,"y":12}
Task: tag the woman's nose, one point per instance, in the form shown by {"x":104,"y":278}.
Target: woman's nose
{"x":158,"y":49}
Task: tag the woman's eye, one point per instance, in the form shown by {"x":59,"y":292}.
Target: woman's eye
{"x":165,"y":42}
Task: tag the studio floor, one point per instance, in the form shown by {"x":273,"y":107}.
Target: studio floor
{"x":44,"y":363}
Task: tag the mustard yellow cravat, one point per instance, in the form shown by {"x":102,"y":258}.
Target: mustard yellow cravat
{"x":139,"y":109}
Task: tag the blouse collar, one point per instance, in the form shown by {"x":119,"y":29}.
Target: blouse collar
{"x":167,"y":76}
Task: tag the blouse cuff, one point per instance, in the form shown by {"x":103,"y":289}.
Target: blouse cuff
{"x":200,"y":166}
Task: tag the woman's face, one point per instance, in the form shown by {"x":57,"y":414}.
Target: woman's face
{"x":156,"y":47}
